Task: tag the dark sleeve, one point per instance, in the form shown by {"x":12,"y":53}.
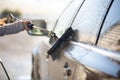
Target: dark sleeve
{"x":11,"y":28}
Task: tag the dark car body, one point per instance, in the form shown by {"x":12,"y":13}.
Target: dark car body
{"x":88,"y":47}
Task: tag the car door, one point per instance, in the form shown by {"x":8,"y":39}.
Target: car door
{"x":61,"y":69}
{"x":88,"y":23}
{"x":57,"y":68}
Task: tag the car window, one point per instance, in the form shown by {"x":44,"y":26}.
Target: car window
{"x":66,"y":18}
{"x":89,"y":19}
{"x":110,"y":34}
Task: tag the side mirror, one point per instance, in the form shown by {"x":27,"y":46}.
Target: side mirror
{"x":40,"y":28}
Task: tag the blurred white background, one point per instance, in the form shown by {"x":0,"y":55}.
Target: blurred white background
{"x":35,"y":8}
{"x":15,"y":50}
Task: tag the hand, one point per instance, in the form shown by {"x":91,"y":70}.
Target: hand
{"x":27,"y":24}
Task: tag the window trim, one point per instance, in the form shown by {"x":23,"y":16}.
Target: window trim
{"x":77,"y":12}
{"x":103,"y":21}
{"x":73,"y":17}
{"x":61,"y":14}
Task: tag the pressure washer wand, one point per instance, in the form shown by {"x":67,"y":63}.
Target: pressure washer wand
{"x":31,"y":26}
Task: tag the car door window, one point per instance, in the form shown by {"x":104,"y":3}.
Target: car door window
{"x":66,"y":17}
{"x":89,"y":19}
{"x":110,"y":34}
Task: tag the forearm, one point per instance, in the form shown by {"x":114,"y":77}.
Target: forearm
{"x":11,"y":28}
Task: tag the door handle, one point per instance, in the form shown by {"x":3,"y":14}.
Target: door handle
{"x":67,"y":70}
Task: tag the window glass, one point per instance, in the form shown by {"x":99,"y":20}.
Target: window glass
{"x":110,"y":34}
{"x":89,"y":19}
{"x":67,"y":16}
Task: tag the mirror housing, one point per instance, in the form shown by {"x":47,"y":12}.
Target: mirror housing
{"x":40,"y":28}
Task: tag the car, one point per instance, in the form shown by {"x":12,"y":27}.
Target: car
{"x":83,"y":45}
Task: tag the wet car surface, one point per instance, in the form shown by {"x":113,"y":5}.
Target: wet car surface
{"x":88,"y":44}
